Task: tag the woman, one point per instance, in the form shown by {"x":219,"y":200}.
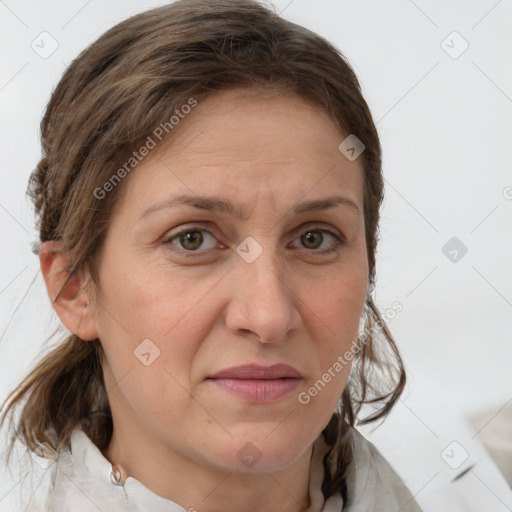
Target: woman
{"x":208,"y":201}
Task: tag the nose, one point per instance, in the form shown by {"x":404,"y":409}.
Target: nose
{"x":263,"y":304}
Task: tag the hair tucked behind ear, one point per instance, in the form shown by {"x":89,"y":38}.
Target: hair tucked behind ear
{"x":108,"y":102}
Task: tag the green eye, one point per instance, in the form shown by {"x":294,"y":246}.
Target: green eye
{"x":195,"y":240}
{"x":314,"y":239}
{"x":190,"y":240}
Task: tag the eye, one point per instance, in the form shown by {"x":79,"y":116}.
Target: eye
{"x":315,"y":238}
{"x":192,"y":239}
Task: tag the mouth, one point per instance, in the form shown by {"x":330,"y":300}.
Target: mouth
{"x":258,"y":384}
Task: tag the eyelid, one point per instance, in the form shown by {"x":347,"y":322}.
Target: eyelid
{"x":339,"y":241}
{"x":311,"y":226}
{"x":319,"y":226}
{"x":168,"y":237}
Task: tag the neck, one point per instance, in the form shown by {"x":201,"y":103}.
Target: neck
{"x":195,"y":486}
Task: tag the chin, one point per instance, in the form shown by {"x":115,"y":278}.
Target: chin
{"x":256,"y":451}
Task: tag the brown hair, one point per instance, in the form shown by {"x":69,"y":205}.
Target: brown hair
{"x":109,"y":100}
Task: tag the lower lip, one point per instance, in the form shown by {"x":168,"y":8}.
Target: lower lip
{"x":259,"y":390}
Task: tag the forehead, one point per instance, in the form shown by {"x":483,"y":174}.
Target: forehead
{"x":236,"y":142}
{"x":269,"y":128}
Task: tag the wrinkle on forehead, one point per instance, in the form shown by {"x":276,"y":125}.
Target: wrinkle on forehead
{"x":276,"y":108}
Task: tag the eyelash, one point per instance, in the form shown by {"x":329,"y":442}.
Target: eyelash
{"x":339,"y":241}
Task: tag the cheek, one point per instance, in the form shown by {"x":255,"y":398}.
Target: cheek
{"x":338,"y":302}
{"x":336,"y":307}
{"x":320,"y":396}
{"x":151,"y":301}
{"x":169,"y":309}
{"x":150,"y":330}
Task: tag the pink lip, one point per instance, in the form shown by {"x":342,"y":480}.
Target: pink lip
{"x":260,"y":384}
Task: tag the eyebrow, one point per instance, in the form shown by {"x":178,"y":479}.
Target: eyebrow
{"x":219,"y":204}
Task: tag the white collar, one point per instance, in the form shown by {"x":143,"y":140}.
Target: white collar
{"x":84,"y":482}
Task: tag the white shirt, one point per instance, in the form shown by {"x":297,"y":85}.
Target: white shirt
{"x":80,"y":481}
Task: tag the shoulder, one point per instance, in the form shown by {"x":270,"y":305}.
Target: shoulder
{"x":26,"y":480}
{"x":75,"y":478}
{"x":82,"y":479}
{"x":372,"y":484}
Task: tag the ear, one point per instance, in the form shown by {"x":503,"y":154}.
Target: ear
{"x":69,"y":298}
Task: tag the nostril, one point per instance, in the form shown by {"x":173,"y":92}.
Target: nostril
{"x":246,"y":332}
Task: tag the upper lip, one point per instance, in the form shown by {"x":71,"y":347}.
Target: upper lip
{"x":254,"y":371}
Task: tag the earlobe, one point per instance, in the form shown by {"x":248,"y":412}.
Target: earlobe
{"x":68,"y":296}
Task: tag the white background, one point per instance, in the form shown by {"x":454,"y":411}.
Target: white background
{"x":445,"y":128}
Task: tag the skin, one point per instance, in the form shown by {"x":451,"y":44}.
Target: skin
{"x":174,"y":430}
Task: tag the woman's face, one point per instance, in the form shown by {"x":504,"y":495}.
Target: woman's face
{"x":237,"y":247}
